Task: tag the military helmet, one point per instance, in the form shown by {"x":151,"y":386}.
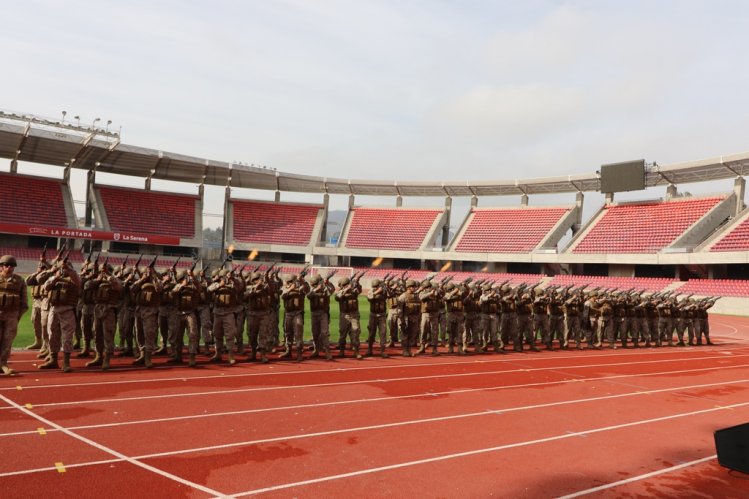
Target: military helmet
{"x":410,"y":283}
{"x":486,"y":287}
{"x":539,"y":290}
{"x":182,"y":274}
{"x":290,"y":278}
{"x":254,"y":276}
{"x":223,"y":273}
{"x":506,"y":288}
{"x":8,"y":260}
{"x":449,"y":286}
{"x":315,"y":279}
{"x":426,"y":284}
{"x":215,"y":273}
{"x":344,"y":281}
{"x":376,"y":283}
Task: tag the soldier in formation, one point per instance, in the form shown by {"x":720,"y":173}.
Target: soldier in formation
{"x":145,"y":304}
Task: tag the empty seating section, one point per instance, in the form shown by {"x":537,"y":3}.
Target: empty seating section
{"x":650,"y":284}
{"x":274,"y":223}
{"x":508,"y":230}
{"x":715,"y":287}
{"x":645,"y":227}
{"x":32,"y":201}
{"x":385,"y":228}
{"x":736,"y":240}
{"x":149,"y":212}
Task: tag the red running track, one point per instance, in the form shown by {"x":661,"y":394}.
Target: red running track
{"x":606,"y":423}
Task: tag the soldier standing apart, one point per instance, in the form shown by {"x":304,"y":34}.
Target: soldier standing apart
{"x":13,"y":304}
{"x":429,"y":317}
{"x":377,"y":297}
{"x":411,"y":305}
{"x":702,"y":324}
{"x":226,"y":291}
{"x":319,"y":304}
{"x":187,"y":299}
{"x":347,"y":297}
{"x":64,"y":288}
{"x":454,"y":296}
{"x":293,"y":317}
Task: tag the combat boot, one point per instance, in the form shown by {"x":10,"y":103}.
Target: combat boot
{"x":435,"y":352}
{"x":35,"y":346}
{"x":328,"y":355}
{"x":341,"y":352}
{"x":534,"y":348}
{"x":231,"y":357}
{"x":51,"y":362}
{"x":66,"y":362}
{"x":263,"y":358}
{"x":141,"y":359}
{"x":192,"y":362}
{"x":357,"y":354}
{"x":96,"y":362}
{"x":299,"y":354}
{"x":315,"y":354}
{"x":43,"y":354}
{"x":105,"y":362}
{"x":383,"y":353}
{"x":369,"y":349}
{"x":253,"y":355}
{"x":422,"y":349}
{"x":7,"y":370}
{"x":450,"y":349}
{"x":86,"y":352}
{"x":147,"y":360}
{"x":286,"y":353}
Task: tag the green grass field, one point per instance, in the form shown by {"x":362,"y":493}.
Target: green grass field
{"x":25,"y":335}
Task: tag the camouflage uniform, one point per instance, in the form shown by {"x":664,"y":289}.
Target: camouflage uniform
{"x":319,"y":304}
{"x":395,"y":314}
{"x":605,"y":322}
{"x":411,"y":306}
{"x":541,"y":319}
{"x":429,"y":317}
{"x":524,"y":307}
{"x":293,"y":318}
{"x":226,"y":291}
{"x":107,"y":295}
{"x":556,"y":321}
{"x":508,"y":322}
{"x":472,"y":319}
{"x":489,"y":304}
{"x":13,"y":304}
{"x":186,"y":295}
{"x":454,"y":296}
{"x":665,"y":321}
{"x":146,"y":293}
{"x":573,"y":308}
{"x":40,"y":308}
{"x":258,"y":297}
{"x":377,"y":296}
{"x":64,"y":289}
{"x":347,"y":297}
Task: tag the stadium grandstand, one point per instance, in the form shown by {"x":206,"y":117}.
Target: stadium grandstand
{"x":690,"y":243}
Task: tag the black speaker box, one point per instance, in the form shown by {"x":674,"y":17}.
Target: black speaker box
{"x":732,"y":446}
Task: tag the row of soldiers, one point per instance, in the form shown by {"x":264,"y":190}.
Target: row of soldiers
{"x":215,"y":308}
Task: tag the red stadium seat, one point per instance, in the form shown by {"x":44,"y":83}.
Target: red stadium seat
{"x":32,"y":201}
{"x":508,"y":230}
{"x":273,"y":223}
{"x":149,"y":212}
{"x":736,"y":240}
{"x":390,"y":228}
{"x":645,"y":227}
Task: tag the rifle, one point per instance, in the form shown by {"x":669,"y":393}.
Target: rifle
{"x":194,"y":264}
{"x":88,"y":258}
{"x":124,"y":262}
{"x":403,"y":275}
{"x":61,"y":251}
{"x":43,"y":256}
{"x":304,"y":271}
{"x":331,"y":275}
{"x":137,"y":262}
{"x":173,"y":268}
{"x":104,"y":265}
{"x":358,"y":277}
{"x":269,"y":269}
{"x":387,"y":277}
{"x":152,"y":265}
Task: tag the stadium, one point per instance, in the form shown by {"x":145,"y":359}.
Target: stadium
{"x":564,"y":335}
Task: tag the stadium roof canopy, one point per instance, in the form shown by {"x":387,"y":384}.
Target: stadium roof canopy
{"x":37,"y":140}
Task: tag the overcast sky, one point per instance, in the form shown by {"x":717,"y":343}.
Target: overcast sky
{"x":411,"y":90}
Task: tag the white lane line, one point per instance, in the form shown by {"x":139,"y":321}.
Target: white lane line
{"x":480,"y":451}
{"x":385,"y":399}
{"x":638,"y":477}
{"x":112,"y":452}
{"x":366,"y":382}
{"x":482,"y":413}
{"x":502,"y":360}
